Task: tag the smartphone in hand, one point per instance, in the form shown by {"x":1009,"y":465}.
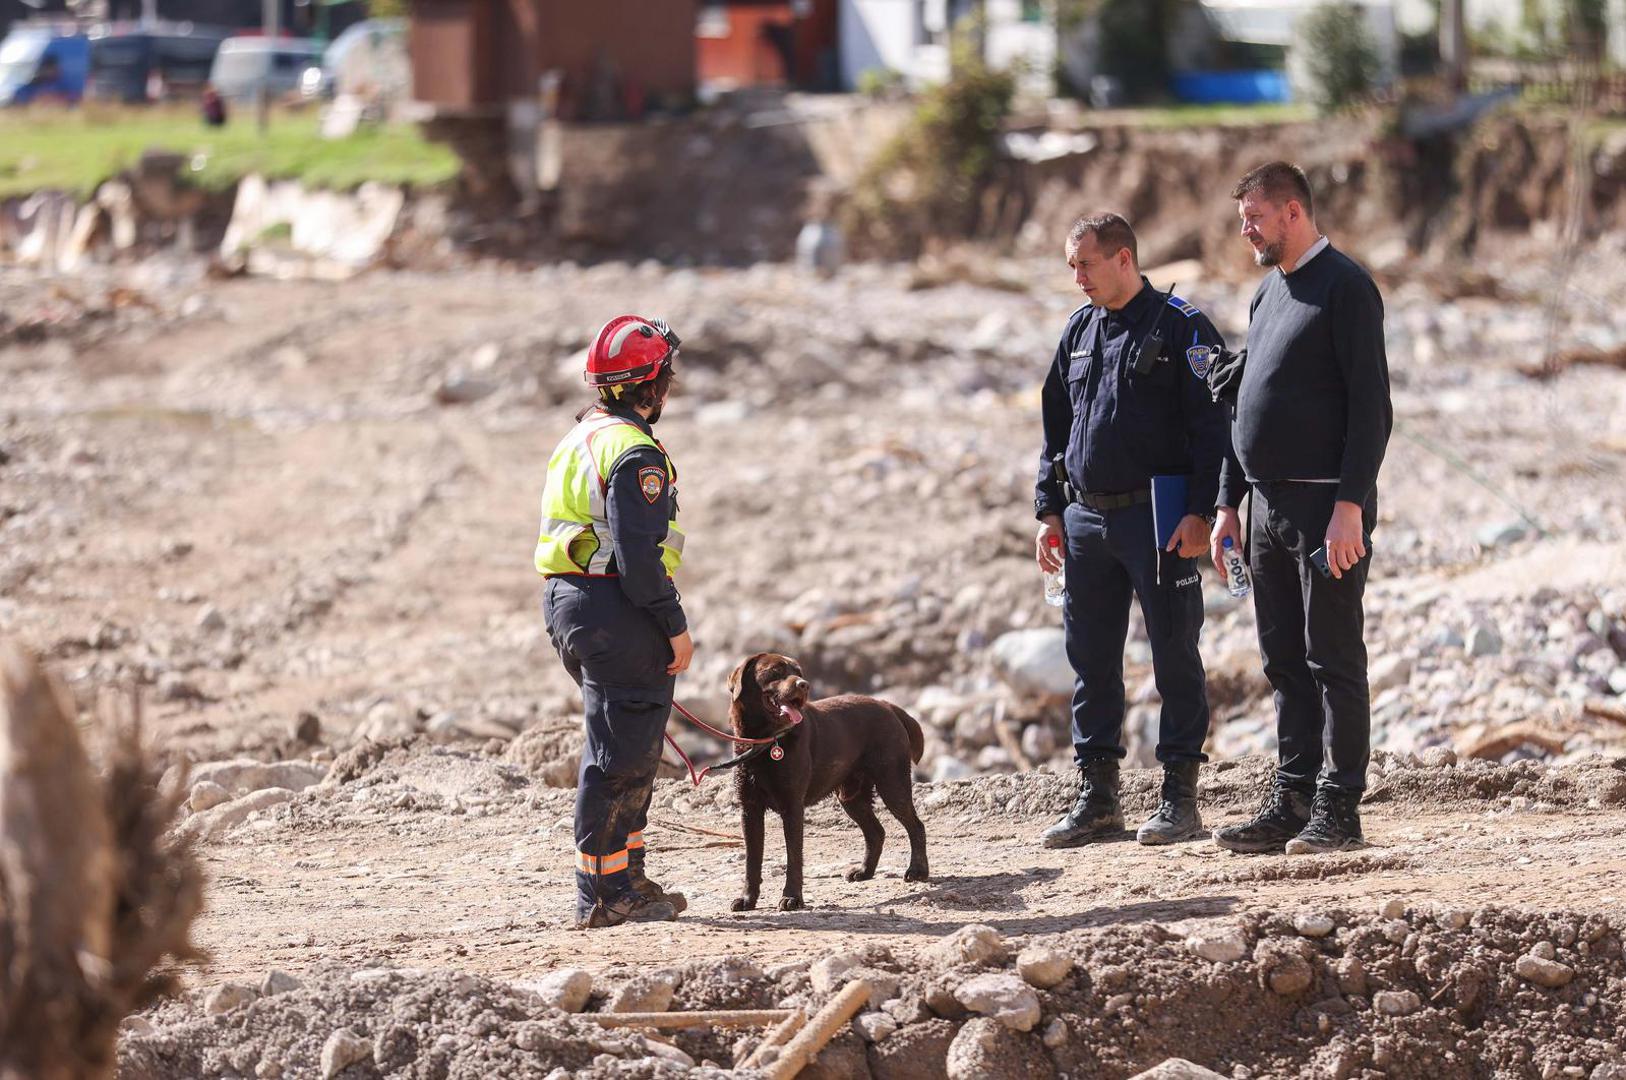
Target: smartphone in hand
{"x":1318,"y":557}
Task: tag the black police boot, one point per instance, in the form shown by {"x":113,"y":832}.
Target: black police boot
{"x":1286,"y":811}
{"x":1176,"y":817}
{"x":1335,"y":824}
{"x":1095,"y":814}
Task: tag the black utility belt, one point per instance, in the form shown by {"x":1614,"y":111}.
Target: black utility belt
{"x":1096,"y":500}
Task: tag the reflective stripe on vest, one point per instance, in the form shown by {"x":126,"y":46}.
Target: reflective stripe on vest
{"x":575,"y":533}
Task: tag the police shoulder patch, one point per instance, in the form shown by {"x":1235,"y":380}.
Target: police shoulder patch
{"x":652,"y":481}
{"x":1199,"y":357}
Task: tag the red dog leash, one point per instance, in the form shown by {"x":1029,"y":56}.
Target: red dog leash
{"x":757,"y":745}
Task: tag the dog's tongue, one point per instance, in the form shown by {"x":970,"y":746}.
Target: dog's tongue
{"x":794,"y":716}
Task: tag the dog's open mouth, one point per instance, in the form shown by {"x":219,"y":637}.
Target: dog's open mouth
{"x":790,"y":708}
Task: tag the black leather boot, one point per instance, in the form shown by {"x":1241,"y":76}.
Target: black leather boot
{"x":1176,"y":817}
{"x":1095,"y":814}
{"x":1286,"y":811}
{"x":1335,"y":824}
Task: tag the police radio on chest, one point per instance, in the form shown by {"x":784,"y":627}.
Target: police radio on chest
{"x":1150,"y":351}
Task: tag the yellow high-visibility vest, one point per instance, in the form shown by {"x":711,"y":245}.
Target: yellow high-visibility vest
{"x":575,"y":536}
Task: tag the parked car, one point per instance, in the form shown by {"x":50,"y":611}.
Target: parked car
{"x":43,"y":63}
{"x":148,"y":63}
{"x":369,"y":60}
{"x":247,"y":64}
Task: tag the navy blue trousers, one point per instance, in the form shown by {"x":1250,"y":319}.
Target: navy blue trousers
{"x":618,"y":655}
{"x":1112,"y":559}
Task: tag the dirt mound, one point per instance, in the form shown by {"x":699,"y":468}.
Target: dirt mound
{"x":381,"y":1022}
{"x":1593,"y":783}
{"x":1404,"y":992}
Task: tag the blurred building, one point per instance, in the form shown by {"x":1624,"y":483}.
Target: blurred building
{"x":603,"y":59}
{"x":768,"y":43}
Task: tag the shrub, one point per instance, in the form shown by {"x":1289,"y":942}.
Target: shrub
{"x":1337,"y":56}
{"x":929,"y":179}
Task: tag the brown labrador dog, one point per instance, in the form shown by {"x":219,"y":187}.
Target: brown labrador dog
{"x":850,"y":745}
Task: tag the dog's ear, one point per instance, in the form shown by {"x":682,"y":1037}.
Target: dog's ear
{"x":743,"y":675}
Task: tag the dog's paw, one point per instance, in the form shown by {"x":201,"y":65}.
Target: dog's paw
{"x":743,"y":903}
{"x":917,"y":873}
{"x":791,"y":903}
{"x":858,"y":873}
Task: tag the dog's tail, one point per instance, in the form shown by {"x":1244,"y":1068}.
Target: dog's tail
{"x":917,"y":738}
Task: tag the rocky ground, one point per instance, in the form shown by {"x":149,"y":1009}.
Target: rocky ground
{"x":297,"y":519}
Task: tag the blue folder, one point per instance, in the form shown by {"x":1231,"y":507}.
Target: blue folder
{"x":1168,"y":506}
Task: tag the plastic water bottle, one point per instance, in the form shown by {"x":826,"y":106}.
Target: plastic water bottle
{"x":1236,"y":571}
{"x":1055,"y":582}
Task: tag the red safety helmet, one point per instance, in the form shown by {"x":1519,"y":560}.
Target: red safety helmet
{"x":630,"y":349}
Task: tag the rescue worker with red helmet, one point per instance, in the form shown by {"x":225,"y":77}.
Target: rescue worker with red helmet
{"x":608,"y":547}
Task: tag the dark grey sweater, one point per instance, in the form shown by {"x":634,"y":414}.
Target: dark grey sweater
{"x":1314,"y":399}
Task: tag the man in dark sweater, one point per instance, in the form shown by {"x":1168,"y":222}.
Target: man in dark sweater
{"x":1311,"y":422}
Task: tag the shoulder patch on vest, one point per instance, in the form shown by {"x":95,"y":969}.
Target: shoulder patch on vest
{"x":1183,"y":307}
{"x":652,"y":481}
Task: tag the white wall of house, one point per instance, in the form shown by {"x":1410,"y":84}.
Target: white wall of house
{"x":911,"y":38}
{"x":1029,"y":47}
{"x":878,"y":35}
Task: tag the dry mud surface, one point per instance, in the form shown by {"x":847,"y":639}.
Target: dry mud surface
{"x":297,"y":518}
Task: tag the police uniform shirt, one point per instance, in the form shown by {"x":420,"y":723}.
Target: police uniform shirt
{"x":640,"y":502}
{"x":1116,"y":428}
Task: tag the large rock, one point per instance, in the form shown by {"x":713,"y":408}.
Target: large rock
{"x":343,"y":1049}
{"x":222,"y":818}
{"x":651,"y":992}
{"x":1396,"y":1002}
{"x":973,"y":944}
{"x":1219,"y":944}
{"x":1035,"y":661}
{"x":243,"y":775}
{"x":826,"y":975}
{"x":567,"y":989}
{"x":1179,"y":1069}
{"x":1284,"y":966}
{"x":278,"y":982}
{"x":1042,"y":966}
{"x":228,"y":996}
{"x":1542,"y":971}
{"x":1006,"y":998}
{"x":985,"y":1048}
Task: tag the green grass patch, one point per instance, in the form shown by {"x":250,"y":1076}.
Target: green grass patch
{"x":75,"y":150}
{"x":1198,"y":116}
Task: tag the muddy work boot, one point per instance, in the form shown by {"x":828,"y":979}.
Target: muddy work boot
{"x":1335,"y":824}
{"x":630,"y":906}
{"x":651,"y":890}
{"x":1286,"y":811}
{"x":1176,"y":817}
{"x":1095,"y":814}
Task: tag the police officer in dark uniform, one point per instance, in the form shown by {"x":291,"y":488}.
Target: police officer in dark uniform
{"x":1126,"y":399}
{"x":609,"y":544}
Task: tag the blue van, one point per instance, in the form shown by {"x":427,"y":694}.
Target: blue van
{"x":43,"y":63}
{"x":137,"y":63}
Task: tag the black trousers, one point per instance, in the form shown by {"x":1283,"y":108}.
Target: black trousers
{"x":618,"y":655}
{"x":1113,"y":559}
{"x":1311,"y":635}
